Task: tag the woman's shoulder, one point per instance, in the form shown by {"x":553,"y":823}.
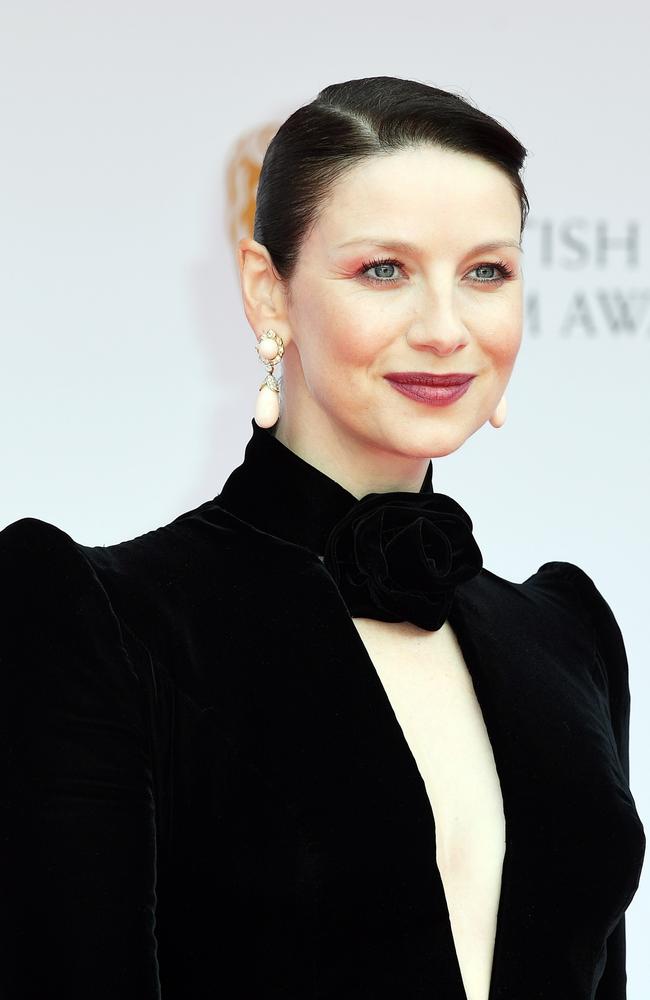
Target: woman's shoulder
{"x":41,"y":561}
{"x":555,"y":587}
{"x":573,"y":589}
{"x":559,"y":601}
{"x":575,"y":592}
{"x":48,"y":573}
{"x":55,"y":610}
{"x":31,"y":544}
{"x":156,"y":585}
{"x":40,"y":555}
{"x":121,"y":602}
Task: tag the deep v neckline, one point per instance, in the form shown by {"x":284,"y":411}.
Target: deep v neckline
{"x":457,"y":622}
{"x":301,"y":505}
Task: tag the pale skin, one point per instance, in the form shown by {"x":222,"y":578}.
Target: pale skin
{"x":342,"y":332}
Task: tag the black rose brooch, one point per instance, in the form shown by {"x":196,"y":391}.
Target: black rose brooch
{"x":399,"y":556}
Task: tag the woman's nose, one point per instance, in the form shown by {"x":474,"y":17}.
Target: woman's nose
{"x":439,"y":328}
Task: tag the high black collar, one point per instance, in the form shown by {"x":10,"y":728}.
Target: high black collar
{"x":277,"y":491}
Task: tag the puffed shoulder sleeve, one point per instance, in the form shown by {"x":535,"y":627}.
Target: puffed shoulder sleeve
{"x":609,"y":649}
{"x":77,"y":837}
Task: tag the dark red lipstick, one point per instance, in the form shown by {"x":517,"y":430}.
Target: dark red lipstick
{"x":426,"y":378}
{"x":435,"y":390}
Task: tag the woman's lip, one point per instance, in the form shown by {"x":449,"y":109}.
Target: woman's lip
{"x":432,"y":395}
{"x":425,"y":378}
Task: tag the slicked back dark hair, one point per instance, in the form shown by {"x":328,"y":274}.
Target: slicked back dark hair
{"x":348,"y":122}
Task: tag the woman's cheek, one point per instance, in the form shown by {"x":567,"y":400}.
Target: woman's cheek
{"x":506,"y":345}
{"x":504,"y":339}
{"x":354,"y":343}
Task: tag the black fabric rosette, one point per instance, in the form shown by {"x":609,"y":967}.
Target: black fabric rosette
{"x":399,"y":556}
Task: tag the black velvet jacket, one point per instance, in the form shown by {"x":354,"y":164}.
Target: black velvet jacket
{"x":206,"y":793}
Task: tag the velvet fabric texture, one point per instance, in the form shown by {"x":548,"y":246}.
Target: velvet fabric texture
{"x":398,"y":556}
{"x":206,"y":793}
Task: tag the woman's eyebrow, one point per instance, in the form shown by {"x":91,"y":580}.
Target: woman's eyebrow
{"x":388,"y":244}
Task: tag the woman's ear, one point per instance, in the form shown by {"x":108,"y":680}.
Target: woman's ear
{"x":261,"y":288}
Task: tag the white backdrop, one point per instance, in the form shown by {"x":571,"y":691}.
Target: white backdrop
{"x":128,"y":378}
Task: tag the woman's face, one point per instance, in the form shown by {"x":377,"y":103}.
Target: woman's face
{"x":362,"y":307}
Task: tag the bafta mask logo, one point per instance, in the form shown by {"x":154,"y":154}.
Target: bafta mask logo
{"x":242,"y":175}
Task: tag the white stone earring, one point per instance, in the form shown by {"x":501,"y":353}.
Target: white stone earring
{"x":270,"y":348}
{"x":498,"y":418}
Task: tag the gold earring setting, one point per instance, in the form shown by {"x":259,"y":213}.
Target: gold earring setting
{"x":270,"y":348}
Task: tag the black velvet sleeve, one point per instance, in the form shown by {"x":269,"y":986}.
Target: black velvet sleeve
{"x":78,"y":836}
{"x":610,"y":650}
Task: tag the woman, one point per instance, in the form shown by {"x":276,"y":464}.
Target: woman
{"x":300,"y":742}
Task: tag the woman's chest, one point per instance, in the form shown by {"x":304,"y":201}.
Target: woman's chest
{"x":430,"y":690}
{"x":313,"y":752}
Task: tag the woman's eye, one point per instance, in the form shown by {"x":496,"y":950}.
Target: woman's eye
{"x":385,"y":269}
{"x":497,"y":273}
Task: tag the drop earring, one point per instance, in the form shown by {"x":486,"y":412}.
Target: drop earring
{"x":270,"y":348}
{"x":498,"y":418}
